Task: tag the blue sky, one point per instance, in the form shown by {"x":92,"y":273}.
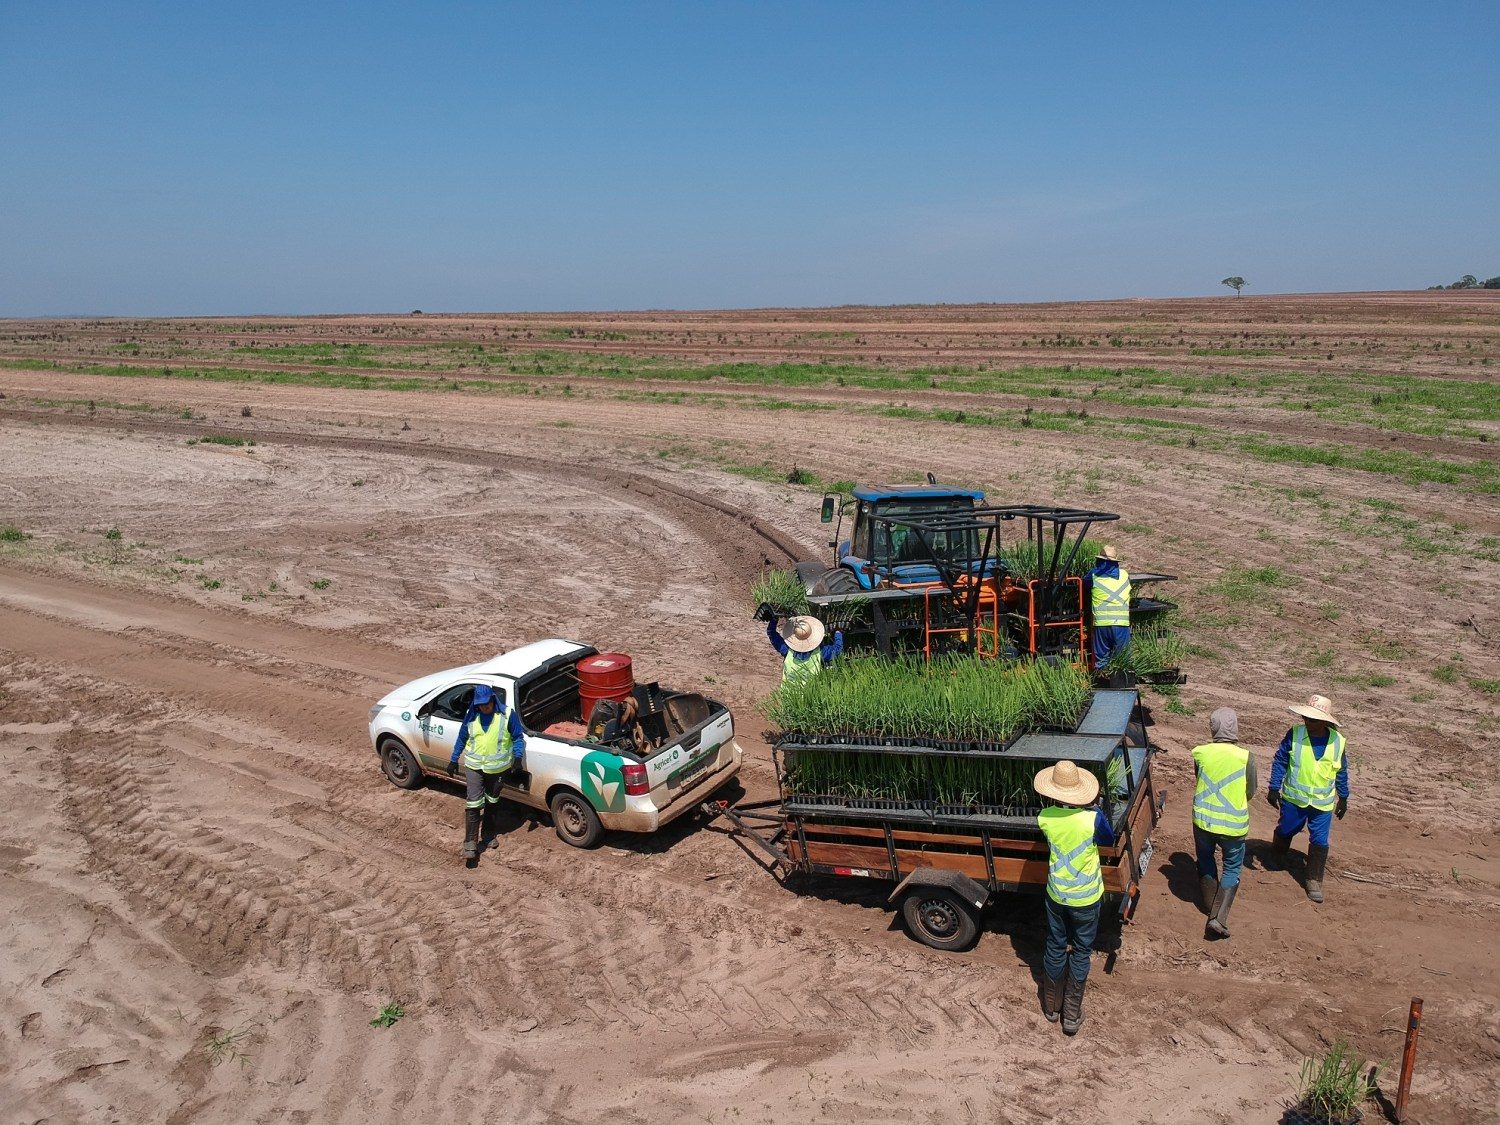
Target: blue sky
{"x":302,"y":158}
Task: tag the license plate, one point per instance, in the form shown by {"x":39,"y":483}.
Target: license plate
{"x":688,"y":773}
{"x":1145,"y":862}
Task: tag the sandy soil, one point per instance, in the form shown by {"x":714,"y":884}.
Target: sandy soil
{"x":201,"y":844}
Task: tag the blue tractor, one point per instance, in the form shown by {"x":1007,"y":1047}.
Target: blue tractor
{"x":884,"y":550}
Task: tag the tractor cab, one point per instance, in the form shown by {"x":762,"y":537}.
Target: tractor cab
{"x":882,"y":551}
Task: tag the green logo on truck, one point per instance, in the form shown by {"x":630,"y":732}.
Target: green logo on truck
{"x":602,"y":782}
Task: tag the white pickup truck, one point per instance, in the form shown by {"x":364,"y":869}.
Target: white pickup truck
{"x":688,"y":750}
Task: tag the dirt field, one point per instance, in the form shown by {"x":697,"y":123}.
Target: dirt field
{"x":200,"y":843}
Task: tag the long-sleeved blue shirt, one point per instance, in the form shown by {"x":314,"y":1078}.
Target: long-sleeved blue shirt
{"x":828,"y":652}
{"x":1283,"y":762}
{"x":517,"y":732}
{"x":1104,"y":835}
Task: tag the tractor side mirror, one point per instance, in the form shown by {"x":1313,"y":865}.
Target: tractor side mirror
{"x":828,"y":509}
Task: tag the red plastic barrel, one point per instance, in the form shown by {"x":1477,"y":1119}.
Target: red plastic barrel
{"x":605,"y":675}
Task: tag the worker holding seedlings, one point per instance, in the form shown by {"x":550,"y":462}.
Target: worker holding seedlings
{"x":1310,"y":785}
{"x":800,"y":643}
{"x":1109,"y":598}
{"x":1221,"y":815}
{"x":491,"y":741}
{"x":1075,"y":829}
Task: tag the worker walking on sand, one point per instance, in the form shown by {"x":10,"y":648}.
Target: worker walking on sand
{"x":1221,"y":816}
{"x":1310,"y":785}
{"x":491,"y":741}
{"x":1075,"y":829}
{"x":1109,"y":601}
{"x":800,"y":642}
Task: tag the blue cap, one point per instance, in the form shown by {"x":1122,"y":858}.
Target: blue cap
{"x":483,"y":694}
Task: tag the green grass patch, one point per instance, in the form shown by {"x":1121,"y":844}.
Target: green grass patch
{"x":224,"y":439}
{"x":12,"y":534}
{"x":1414,"y":468}
{"x":1248,"y":584}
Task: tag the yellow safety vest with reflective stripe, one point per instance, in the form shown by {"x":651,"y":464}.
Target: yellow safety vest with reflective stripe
{"x":1221,"y":803}
{"x":489,"y":751}
{"x":1073,"y":877}
{"x":1309,"y":780}
{"x":794,"y":671}
{"x":1112,"y":600}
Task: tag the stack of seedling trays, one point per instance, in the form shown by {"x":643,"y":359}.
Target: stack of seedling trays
{"x":957,"y":740}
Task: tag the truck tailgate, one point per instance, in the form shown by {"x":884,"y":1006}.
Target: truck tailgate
{"x":674,"y":768}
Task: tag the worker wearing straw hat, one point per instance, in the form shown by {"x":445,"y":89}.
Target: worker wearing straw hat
{"x":1075,"y":886}
{"x":1310,"y":785}
{"x":799,"y":640}
{"x":1109,"y":601}
{"x":1221,"y":815}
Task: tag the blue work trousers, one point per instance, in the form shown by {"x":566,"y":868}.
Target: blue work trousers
{"x":1293,"y":817}
{"x":1107,"y":640}
{"x":1234,"y":856}
{"x":1069,"y":925}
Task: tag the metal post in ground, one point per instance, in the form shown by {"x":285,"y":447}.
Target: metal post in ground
{"x":1408,"y":1056}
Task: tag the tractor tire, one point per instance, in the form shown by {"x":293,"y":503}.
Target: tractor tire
{"x":938,"y":918}
{"x":808,"y":574}
{"x":837,"y":581}
{"x":574,"y":819}
{"x":398,"y":765}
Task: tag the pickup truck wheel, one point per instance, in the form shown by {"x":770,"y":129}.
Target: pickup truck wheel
{"x":575,"y":819}
{"x":400,"y":768}
{"x":937,"y":917}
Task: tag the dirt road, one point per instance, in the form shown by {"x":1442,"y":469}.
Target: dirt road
{"x":201,"y":848}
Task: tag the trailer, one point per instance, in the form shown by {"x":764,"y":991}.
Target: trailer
{"x":950,"y":864}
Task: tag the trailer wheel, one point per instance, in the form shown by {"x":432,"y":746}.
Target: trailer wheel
{"x":575,"y":820}
{"x":937,"y":917}
{"x":399,"y":767}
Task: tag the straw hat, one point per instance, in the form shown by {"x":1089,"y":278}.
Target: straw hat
{"x":1318,"y":708}
{"x":802,"y":634}
{"x":1067,"y":783}
{"x":1108,"y":552}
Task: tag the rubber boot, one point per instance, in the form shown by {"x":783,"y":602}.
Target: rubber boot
{"x":1208,"y":887}
{"x":1218,"y":920}
{"x":488,"y":826}
{"x":471,"y":833}
{"x":1072,"y":1009}
{"x":1276,"y":857}
{"x":1317,"y":863}
{"x":1052,"y":997}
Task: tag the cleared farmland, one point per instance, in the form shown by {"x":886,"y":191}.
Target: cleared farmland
{"x":220,"y":540}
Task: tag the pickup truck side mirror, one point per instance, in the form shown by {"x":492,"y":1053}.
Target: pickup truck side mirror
{"x":828,"y":509}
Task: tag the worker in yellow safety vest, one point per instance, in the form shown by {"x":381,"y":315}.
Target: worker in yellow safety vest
{"x":799,"y":642}
{"x":1221,"y":816}
{"x":1075,"y":828}
{"x":1310,"y":785}
{"x":491,"y":742}
{"x":1109,"y":603}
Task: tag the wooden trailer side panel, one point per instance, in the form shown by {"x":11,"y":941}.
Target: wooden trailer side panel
{"x":1008,"y":869}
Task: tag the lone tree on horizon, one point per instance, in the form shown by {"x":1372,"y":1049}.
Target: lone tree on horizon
{"x":1235,"y":283}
